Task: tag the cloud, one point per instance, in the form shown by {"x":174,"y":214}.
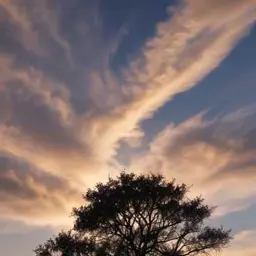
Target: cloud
{"x":214,"y":155}
{"x":36,"y":194}
{"x":41,"y":124}
{"x":37,"y":114}
{"x":243,"y":244}
{"x":186,"y":48}
{"x":17,"y":17}
{"x":30,"y":20}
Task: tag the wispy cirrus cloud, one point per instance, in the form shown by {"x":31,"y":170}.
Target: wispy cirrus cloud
{"x":186,"y":48}
{"x":215,"y":155}
{"x":31,"y":22}
{"x":18,"y":18}
{"x":40,"y":123}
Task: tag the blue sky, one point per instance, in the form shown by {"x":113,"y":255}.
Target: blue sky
{"x":89,"y":88}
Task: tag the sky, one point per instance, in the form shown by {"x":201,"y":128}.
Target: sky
{"x":89,"y":88}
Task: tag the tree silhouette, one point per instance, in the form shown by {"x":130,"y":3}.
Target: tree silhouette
{"x":136,"y":216}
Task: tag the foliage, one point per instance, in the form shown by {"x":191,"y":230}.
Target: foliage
{"x":136,"y":216}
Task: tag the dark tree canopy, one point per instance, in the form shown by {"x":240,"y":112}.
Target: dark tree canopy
{"x":136,"y":216}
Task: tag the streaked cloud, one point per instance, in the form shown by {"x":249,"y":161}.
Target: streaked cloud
{"x":186,"y":48}
{"x":18,"y":18}
{"x":29,"y":21}
{"x":243,"y":244}
{"x":33,"y":195}
{"x":214,"y":155}
{"x":41,"y":126}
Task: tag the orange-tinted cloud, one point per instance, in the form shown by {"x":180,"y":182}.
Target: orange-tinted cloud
{"x":243,"y":244}
{"x":185,"y":49}
{"x":215,"y":155}
{"x":33,"y":195}
{"x":41,"y":126}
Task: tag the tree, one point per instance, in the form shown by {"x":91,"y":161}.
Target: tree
{"x":137,"y":215}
